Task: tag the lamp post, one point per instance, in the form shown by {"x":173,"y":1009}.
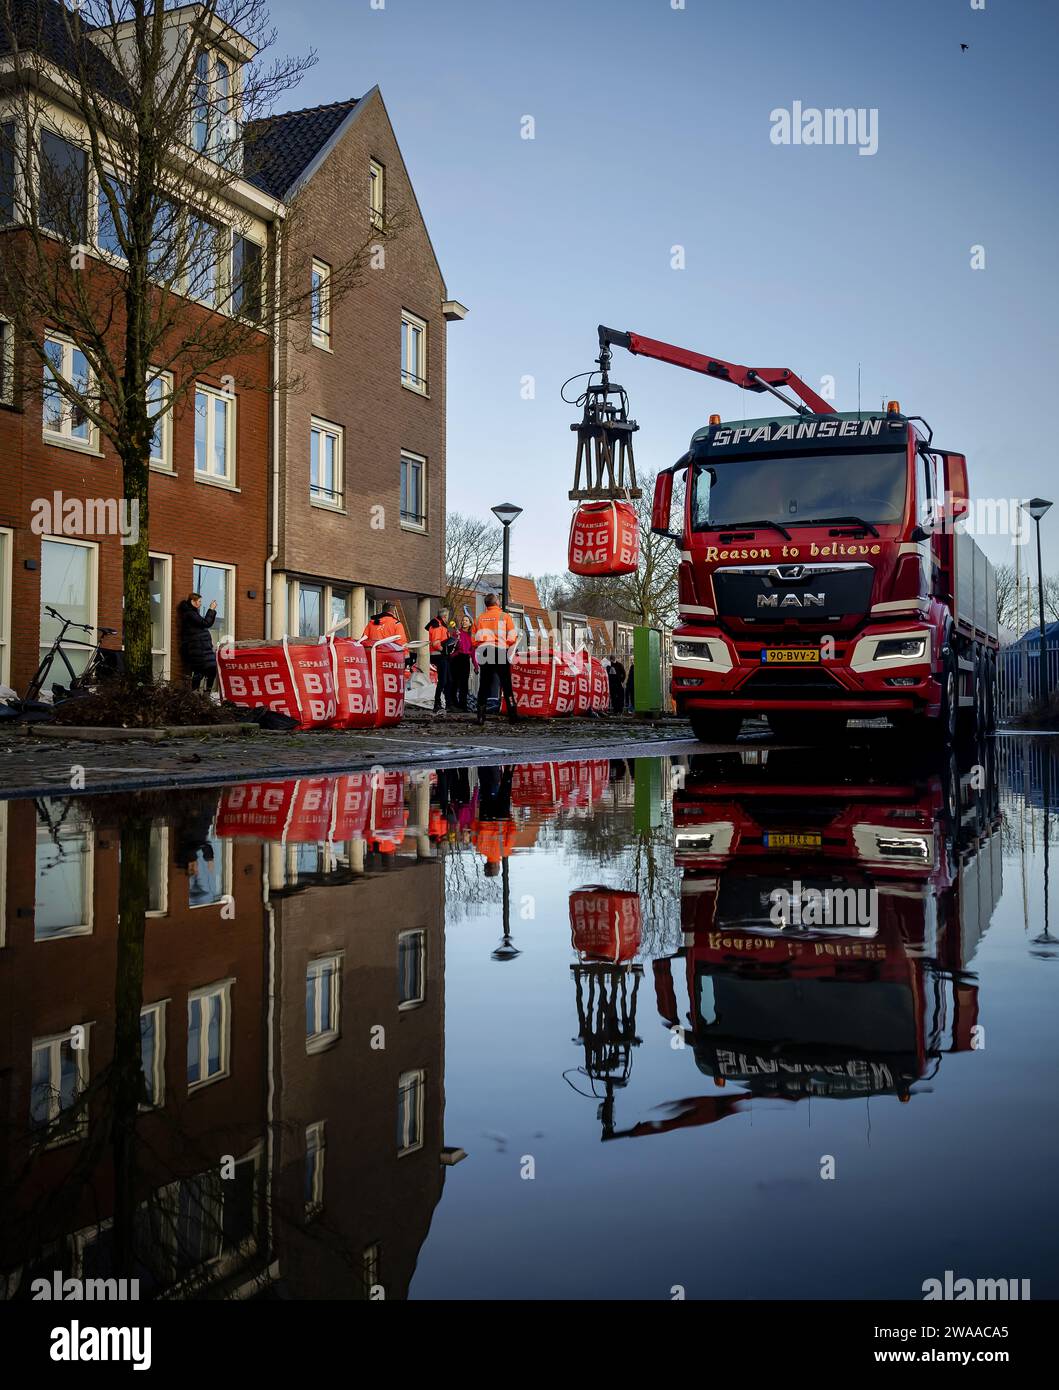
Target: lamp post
{"x":1037,"y":506}
{"x":506,"y":513}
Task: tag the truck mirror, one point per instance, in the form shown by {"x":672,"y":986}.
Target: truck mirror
{"x":663,"y":503}
{"x":956,"y":489}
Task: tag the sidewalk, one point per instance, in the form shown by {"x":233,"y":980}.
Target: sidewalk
{"x":35,"y":766}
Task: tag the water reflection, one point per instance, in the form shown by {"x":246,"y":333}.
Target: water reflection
{"x":223,"y":1065}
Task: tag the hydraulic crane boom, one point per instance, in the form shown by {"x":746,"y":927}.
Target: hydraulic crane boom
{"x":749,"y":378}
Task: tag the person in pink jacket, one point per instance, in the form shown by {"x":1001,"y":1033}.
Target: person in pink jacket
{"x":460,"y":664}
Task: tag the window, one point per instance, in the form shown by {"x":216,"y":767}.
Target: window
{"x":411,"y":969}
{"x":63,"y":895}
{"x":203,"y":257}
{"x":310,"y":610}
{"x":152,"y":1054}
{"x":325,"y":464}
{"x":321,"y":304}
{"x":65,"y":422}
{"x":413,"y":492}
{"x":200,"y":103}
{"x":213,"y":124}
{"x":247,"y":263}
{"x":7,"y":171}
{"x":209,"y":871}
{"x":6,"y":539}
{"x":322,"y":998}
{"x":377,"y":193}
{"x":59,"y":1075}
{"x":315,"y":1151}
{"x":108,"y":232}
{"x":159,"y":394}
{"x":68,"y":584}
{"x":160,"y":584}
{"x":214,"y":436}
{"x":410,"y":1089}
{"x":7,"y":363}
{"x":340,"y":612}
{"x":369,"y":1263}
{"x":413,"y":352}
{"x":209,"y":1033}
{"x":217,"y":582}
{"x":63,"y":177}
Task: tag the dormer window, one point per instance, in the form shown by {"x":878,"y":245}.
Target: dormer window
{"x":213,"y":123}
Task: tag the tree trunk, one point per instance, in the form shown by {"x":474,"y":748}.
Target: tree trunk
{"x":136,"y":575}
{"x":127,"y":1066}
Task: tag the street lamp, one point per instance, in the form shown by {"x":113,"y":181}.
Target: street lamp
{"x":506,"y":513}
{"x":1037,"y":506}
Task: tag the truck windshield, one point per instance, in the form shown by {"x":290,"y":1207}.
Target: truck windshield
{"x":796,"y":489}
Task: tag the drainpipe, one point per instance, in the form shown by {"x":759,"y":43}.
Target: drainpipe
{"x":274,"y":504}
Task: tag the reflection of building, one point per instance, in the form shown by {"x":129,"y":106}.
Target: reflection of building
{"x":202,"y":1039}
{"x":358,"y":1061}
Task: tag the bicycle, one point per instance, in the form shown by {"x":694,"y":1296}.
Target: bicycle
{"x":102,"y":661}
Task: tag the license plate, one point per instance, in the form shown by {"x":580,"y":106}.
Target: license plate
{"x":786,"y":839}
{"x":789,"y":656}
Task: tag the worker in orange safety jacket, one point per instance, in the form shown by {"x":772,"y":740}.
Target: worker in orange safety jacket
{"x":495,"y":638}
{"x":385,"y":626}
{"x":494,"y":829}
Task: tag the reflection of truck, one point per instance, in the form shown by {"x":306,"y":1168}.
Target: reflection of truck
{"x":821,"y":574}
{"x":831,"y":1010}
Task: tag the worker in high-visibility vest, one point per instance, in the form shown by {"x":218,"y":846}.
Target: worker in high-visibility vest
{"x":385,"y":626}
{"x":495,"y":639}
{"x":442,"y":642}
{"x":494,"y":829}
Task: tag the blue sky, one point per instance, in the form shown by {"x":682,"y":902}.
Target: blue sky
{"x":813,"y":257}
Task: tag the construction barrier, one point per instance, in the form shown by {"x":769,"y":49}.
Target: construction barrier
{"x":604,"y":539}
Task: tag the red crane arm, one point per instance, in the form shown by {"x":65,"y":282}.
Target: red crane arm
{"x":749,"y":378}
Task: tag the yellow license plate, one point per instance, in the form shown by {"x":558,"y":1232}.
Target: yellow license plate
{"x":792,"y":840}
{"x":789,"y":656}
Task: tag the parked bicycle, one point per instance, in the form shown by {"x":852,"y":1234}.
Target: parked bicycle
{"x":102,"y":661}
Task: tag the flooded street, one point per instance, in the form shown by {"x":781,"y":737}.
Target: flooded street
{"x":755,"y":1025}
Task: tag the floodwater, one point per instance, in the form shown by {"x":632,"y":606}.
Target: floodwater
{"x":765,"y":1025}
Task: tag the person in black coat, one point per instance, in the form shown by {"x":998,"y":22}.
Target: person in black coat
{"x":196,"y":644}
{"x":616,"y":679}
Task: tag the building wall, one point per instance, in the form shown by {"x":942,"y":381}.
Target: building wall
{"x":358,"y":385}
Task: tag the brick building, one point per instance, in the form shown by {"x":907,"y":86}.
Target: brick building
{"x":362,"y":464}
{"x":290,"y":508}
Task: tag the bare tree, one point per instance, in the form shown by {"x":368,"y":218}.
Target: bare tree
{"x":472,"y":549}
{"x":552,"y":589}
{"x":1008,"y":599}
{"x":133,"y":122}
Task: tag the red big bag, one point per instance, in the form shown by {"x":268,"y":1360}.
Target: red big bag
{"x":292,"y":680}
{"x":605,"y":924}
{"x":604,"y":539}
{"x":533,"y":681}
{"x":258,"y":810}
{"x":354,"y":688}
{"x":388,"y":682}
{"x":350,"y":807}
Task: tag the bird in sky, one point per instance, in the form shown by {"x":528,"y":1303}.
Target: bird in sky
{"x":964,"y":47}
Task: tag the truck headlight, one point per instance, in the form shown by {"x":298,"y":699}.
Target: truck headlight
{"x":907,"y":647}
{"x":683,"y":650}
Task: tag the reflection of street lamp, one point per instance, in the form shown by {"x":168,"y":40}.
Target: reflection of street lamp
{"x":506,"y":513}
{"x":1036,"y":506}
{"x":507,"y":950}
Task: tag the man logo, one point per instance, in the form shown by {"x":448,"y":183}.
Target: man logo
{"x":788,"y":572}
{"x":790,"y":601}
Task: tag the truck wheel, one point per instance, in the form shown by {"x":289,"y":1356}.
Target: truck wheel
{"x":950,"y":699}
{"x":721,"y":727}
{"x":969,"y":717}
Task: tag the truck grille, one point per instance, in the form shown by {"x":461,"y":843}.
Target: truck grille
{"x":776,"y":683}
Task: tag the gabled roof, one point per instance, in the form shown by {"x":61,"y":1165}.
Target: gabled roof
{"x":280,"y":148}
{"x":46,"y":28}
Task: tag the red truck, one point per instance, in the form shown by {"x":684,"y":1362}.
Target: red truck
{"x":825,"y":571}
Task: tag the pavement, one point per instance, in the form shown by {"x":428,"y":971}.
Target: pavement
{"x":48,"y":766}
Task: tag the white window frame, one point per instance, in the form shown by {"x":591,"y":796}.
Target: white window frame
{"x":320,"y":1041}
{"x":222,"y":988}
{"x":62,"y":438}
{"x":330,"y":591}
{"x":160,"y":835}
{"x":420,"y":1000}
{"x":406,"y":1143}
{"x":68,"y":137}
{"x":115,"y":257}
{"x":420,"y":527}
{"x":85,"y":928}
{"x":93,"y":584}
{"x":219,"y":301}
{"x":338,"y":434}
{"x":7,"y":574}
{"x":377,"y":193}
{"x":158,"y":1067}
{"x":218,"y":637}
{"x":212,"y":394}
{"x":321,"y":335}
{"x":417,"y":381}
{"x":316,"y":1150}
{"x":7,"y":361}
{"x":164,"y":462}
{"x":54,"y":1042}
{"x":226,"y":881}
{"x":165,"y":651}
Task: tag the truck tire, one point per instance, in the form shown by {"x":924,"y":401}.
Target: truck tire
{"x":948,"y":718}
{"x":719,"y":727}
